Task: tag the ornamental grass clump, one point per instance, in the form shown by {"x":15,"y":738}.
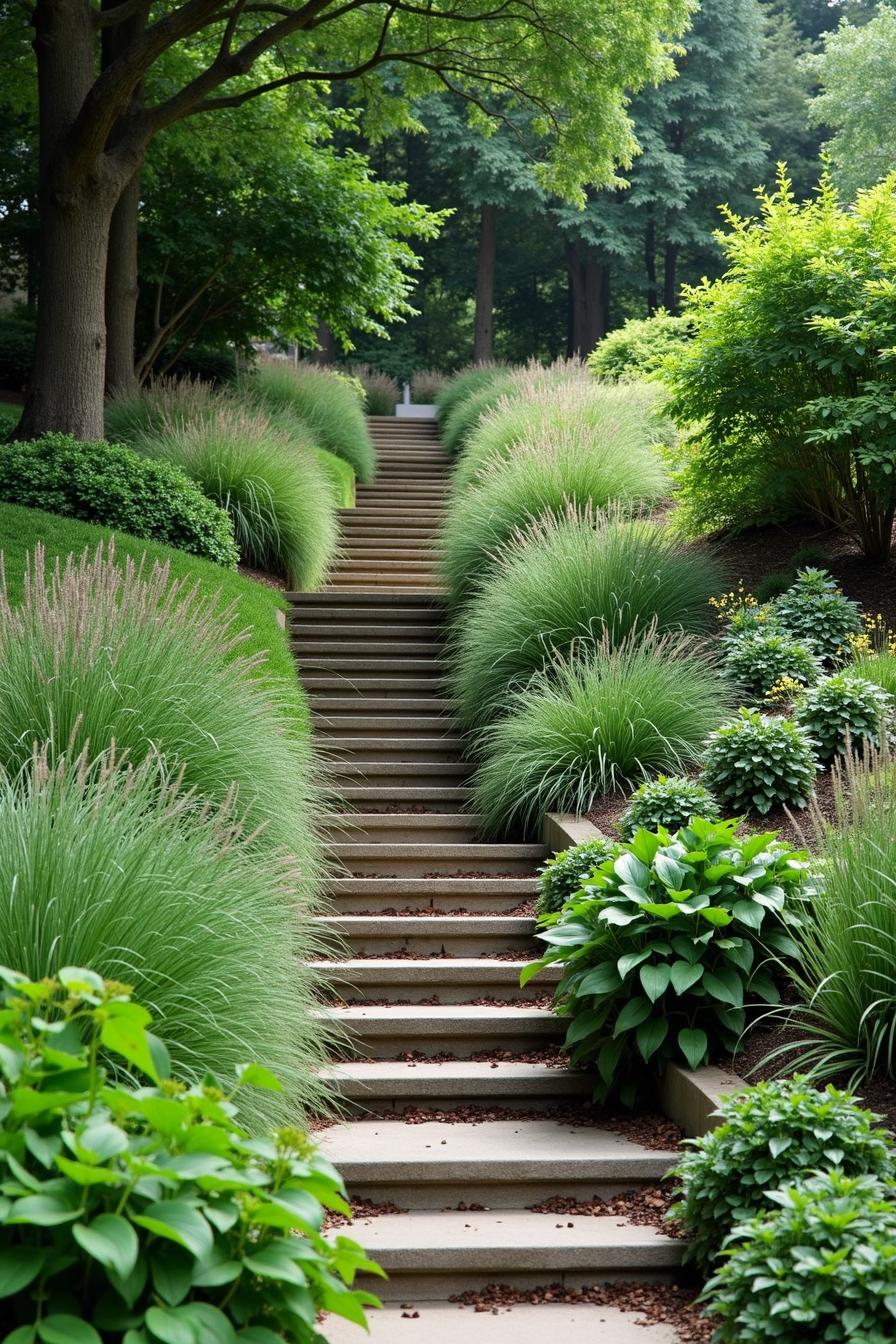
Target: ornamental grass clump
{"x":757,"y":662}
{"x":666,"y":949}
{"x":465,"y":384}
{"x":844,"y":712}
{"x":563,"y":585}
{"x":479,"y":397}
{"x":96,"y":653}
{"x":381,"y":390}
{"x":756,"y":762}
{"x":165,"y":401}
{"x":564,"y":874}
{"x":815,"y":612}
{"x":669,"y":801}
{"x":597,"y":725}
{"x":329,"y":403}
{"x":770,"y":1136}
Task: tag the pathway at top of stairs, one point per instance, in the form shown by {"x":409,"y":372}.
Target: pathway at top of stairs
{"x":430,"y":930}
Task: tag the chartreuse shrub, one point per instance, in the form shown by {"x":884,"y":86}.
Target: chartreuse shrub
{"x":770,"y":1136}
{"x":815,"y":612}
{"x":145,"y":1212}
{"x":94,"y":653}
{"x":123,"y":868}
{"x":566,"y":584}
{"x":331,"y":404}
{"x":106,"y":483}
{"x":819,"y":1266}
{"x":756,"y":662}
{"x":670,"y":801}
{"x":756,"y":762}
{"x":844,"y":709}
{"x":563,"y":874}
{"x":596,"y":725}
{"x":665,"y":950}
{"x":639,"y":347}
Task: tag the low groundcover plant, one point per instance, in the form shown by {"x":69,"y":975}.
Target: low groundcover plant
{"x":563,"y":875}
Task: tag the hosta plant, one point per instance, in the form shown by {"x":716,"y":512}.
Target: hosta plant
{"x":563,"y":875}
{"x":770,"y":1136}
{"x":668,"y":800}
{"x":758,"y":661}
{"x":664,"y":952}
{"x":843,"y":709}
{"x":756,"y":761}
{"x":814,"y":611}
{"x":820,"y":1266}
{"x":144,"y":1213}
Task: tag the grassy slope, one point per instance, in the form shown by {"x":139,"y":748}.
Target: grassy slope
{"x":342,"y":476}
{"x":21,"y":529}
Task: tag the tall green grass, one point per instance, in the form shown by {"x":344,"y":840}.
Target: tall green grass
{"x":326,"y":401}
{"x":457,"y":428}
{"x":463,"y":385}
{"x":566,"y":585}
{"x":553,"y":469}
{"x":595,"y":726}
{"x":280,"y":498}
{"x":121,"y":871}
{"x":879,"y":667}
{"x":130,"y":416}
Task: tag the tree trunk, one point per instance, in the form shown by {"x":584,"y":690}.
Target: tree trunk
{"x":122,"y":289}
{"x":650,"y":265}
{"x":483,"y":335}
{"x":670,"y":278}
{"x":326,"y":351}
{"x":589,"y":282}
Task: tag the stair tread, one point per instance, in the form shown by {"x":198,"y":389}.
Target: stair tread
{"x":439,"y":1322}
{"x":433,"y":926}
{"x":357,"y":849}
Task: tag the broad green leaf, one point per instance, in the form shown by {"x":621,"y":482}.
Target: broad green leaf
{"x":86,"y":1175}
{"x":693,"y":1044}
{"x":632,"y":1014}
{"x":684,"y":974}
{"x":168,"y":1325}
{"x":663,"y":909}
{"x":610,"y":1055}
{"x":128,"y":1039}
{"x":171,"y":1270}
{"x":110,"y":1239}
{"x":650,"y":1036}
{"x":725,"y":984}
{"x":275,"y":1261}
{"x":600,"y":980}
{"x":42,"y":1210}
{"x":655,"y":980}
{"x":611,"y":914}
{"x":631,"y":870}
{"x":23,"y":1334}
{"x":19,"y":1265}
{"x":62,"y":1329}
{"x":629,"y":960}
{"x":585,"y":1024}
{"x":180,"y":1223}
{"x":259,"y":1334}
{"x":254,"y":1075}
{"x":715,"y":915}
{"x":672,"y":874}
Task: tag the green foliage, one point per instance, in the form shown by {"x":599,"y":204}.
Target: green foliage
{"x":772,"y":586}
{"x":597,"y":725}
{"x":9,"y":418}
{"x":563,"y":874}
{"x":878,"y":666}
{"x":465,"y":385}
{"x":814,"y":611}
{"x":16,"y":354}
{"x":821,"y":1266}
{"x":669,"y":801}
{"x":788,"y":383}
{"x":770,"y":1136}
{"x":844,"y":708}
{"x":562,"y":586}
{"x":471,"y":404}
{"x":662,"y":953}
{"x":325,"y":400}
{"x":340,"y":478}
{"x":126,"y":870}
{"x":381,"y":391}
{"x":150,"y":1214}
{"x":756,"y":762}
{"x":639,"y":347}
{"x":108,"y":484}
{"x":755,"y":662}
{"x":278,"y":496}
{"x":554,"y":471}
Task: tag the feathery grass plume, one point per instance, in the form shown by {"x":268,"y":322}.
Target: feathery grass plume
{"x":166,"y":401}
{"x":96,"y":654}
{"x":426,"y":384}
{"x":555,"y":468}
{"x":279,"y":497}
{"x":463,"y":384}
{"x":122,"y":870}
{"x":458,"y":426}
{"x":596,"y":726}
{"x":329,"y":403}
{"x":381,"y":390}
{"x":565,"y":584}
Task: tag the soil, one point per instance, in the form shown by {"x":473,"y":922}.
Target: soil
{"x":646,"y":1206}
{"x":524,"y":909}
{"x":277,"y":581}
{"x":657,"y":1303}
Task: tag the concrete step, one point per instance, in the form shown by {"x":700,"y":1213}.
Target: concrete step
{"x":403,"y":648}
{"x":350,"y":581}
{"x":481,"y":895}
{"x":363,"y":617}
{"x":346,"y":707}
{"x":435,"y":797}
{"x":445,"y":746}
{"x":456,"y":935}
{"x":506,"y":1164}
{"x":329,"y":627}
{"x":383,"y":774}
{"x":411,"y":860}
{"x":367,"y":688}
{"x":388,"y":1087}
{"x":363,"y":666}
{"x":403,"y":827}
{"x":429,"y":1255}
{"x":457,"y":1029}
{"x":352,"y":530}
{"x":378,"y":725}
{"x":459,"y":980}
{"x":392,"y":602}
{"x":441,"y":1322}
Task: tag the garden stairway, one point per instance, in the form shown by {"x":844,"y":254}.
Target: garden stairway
{"x":431,"y":928}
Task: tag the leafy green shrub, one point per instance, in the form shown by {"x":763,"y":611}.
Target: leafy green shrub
{"x":479,"y":398}
{"x":563,"y":585}
{"x":756,"y":762}
{"x":381,"y":391}
{"x":663,"y":952}
{"x":96,"y":654}
{"x":668,"y":801}
{"x":770,"y":1136}
{"x":597,"y":725}
{"x":328,"y":402}
{"x":16,"y":354}
{"x":107,"y":483}
{"x":150,"y":1214}
{"x":9,"y":418}
{"x":814,"y":611}
{"x":639,"y":347}
{"x":279,"y":498}
{"x":822,"y":1266}
{"x":562,"y":469}
{"x":128,"y":872}
{"x":426,"y":384}
{"x":756,"y":662}
{"x":772,"y":586}
{"x":787,"y":383}
{"x":843,"y":707}
{"x":563,"y":874}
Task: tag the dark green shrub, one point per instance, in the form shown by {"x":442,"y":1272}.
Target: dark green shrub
{"x":562,"y":876}
{"x":756,"y":762}
{"x":814,"y":611}
{"x":667,"y":801}
{"x":770,"y":1136}
{"x":150,"y":1214}
{"x":756,"y":662}
{"x":843,"y":707}
{"x":639,"y":347}
{"x":772,"y":586}
{"x":16,"y":354}
{"x":109,"y":484}
{"x":217,"y":367}
{"x":663,"y":952}
{"x":821,"y":1266}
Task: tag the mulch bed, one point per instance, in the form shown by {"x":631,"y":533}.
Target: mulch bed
{"x":645,"y":1206}
{"x":657,"y":1303}
{"x":525,"y":909}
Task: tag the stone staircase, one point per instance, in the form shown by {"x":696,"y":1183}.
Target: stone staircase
{"x":430,"y":930}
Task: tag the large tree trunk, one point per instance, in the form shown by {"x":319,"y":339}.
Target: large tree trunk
{"x":122,"y":289}
{"x":326,"y":351}
{"x":670,"y":278}
{"x":650,"y":265}
{"x":483,"y":334}
{"x":589,"y":291}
